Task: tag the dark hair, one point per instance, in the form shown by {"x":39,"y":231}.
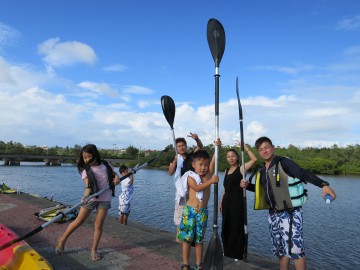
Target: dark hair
{"x":123,"y":168}
{"x":180,"y":139}
{"x":91,"y":149}
{"x":200,"y":154}
{"x":261,"y":140}
{"x":235,"y":152}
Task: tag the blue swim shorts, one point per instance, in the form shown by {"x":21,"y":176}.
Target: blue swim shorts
{"x":279,"y":224}
{"x":193,"y":225}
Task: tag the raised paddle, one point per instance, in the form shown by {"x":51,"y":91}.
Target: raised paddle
{"x":168,"y":107}
{"x":61,"y":214}
{"x":243,"y":171}
{"x":216,"y":40}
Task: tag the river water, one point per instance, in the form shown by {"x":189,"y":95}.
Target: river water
{"x":332,"y":233}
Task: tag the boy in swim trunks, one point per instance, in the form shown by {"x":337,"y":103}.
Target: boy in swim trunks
{"x":194,"y":219}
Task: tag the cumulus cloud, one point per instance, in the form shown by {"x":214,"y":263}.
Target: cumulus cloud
{"x":61,"y":54}
{"x":318,"y":109}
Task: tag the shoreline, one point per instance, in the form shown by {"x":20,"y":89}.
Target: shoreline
{"x":135,"y":246}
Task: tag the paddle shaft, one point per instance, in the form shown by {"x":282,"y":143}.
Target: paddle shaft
{"x":217,"y":76}
{"x":173,"y":133}
{"x":243,"y":170}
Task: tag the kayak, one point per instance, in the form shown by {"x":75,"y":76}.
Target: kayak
{"x":5,"y":189}
{"x":8,"y":191}
{"x":19,"y":256}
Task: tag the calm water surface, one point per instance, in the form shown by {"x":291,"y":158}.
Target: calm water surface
{"x":331,"y":231}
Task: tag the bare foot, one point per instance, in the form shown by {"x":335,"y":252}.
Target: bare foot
{"x":59,"y":248}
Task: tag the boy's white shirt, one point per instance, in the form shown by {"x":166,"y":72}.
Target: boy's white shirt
{"x":179,"y":164}
{"x":182,"y":186}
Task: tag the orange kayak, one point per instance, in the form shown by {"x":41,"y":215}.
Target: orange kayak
{"x":19,"y":256}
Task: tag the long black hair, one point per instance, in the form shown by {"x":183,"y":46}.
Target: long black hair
{"x":90,"y":149}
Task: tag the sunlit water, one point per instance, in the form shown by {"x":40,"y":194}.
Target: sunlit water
{"x":331,"y":231}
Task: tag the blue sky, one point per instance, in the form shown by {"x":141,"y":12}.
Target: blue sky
{"x":75,"y":72}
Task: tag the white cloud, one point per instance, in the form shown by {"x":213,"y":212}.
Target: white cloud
{"x":114,"y":68}
{"x":139,"y":90}
{"x":350,"y":24}
{"x":99,"y":88}
{"x":285,"y":69}
{"x":145,"y":103}
{"x":318,"y":109}
{"x":8,"y":35}
{"x":61,"y":54}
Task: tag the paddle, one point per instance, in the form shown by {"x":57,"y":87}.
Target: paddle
{"x":243,"y":170}
{"x":168,"y":107}
{"x":216,"y":40}
{"x":46,"y":224}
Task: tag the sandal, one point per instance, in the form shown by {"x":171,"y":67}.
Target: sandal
{"x":95,"y":256}
{"x":59,"y":248}
{"x":199,"y":267}
{"x":185,"y":266}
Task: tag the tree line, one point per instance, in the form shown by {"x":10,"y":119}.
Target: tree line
{"x":333,"y":160}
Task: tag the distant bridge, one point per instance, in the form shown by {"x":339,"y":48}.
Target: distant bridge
{"x":15,"y":160}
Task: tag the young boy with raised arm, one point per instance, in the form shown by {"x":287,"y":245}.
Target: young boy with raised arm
{"x":194,"y":220}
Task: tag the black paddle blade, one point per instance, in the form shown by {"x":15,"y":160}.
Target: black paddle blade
{"x":216,"y":40}
{"x":168,"y":107}
{"x":238,"y":97}
{"x":214,"y":258}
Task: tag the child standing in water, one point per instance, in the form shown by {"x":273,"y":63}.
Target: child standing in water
{"x":127,"y":191}
{"x":194,"y":220}
{"x":96,"y":175}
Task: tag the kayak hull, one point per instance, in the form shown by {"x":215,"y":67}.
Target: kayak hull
{"x":19,"y":256}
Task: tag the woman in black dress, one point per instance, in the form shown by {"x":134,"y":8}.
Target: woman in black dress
{"x":232,"y":205}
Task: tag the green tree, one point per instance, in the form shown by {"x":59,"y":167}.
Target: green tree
{"x":132,"y":151}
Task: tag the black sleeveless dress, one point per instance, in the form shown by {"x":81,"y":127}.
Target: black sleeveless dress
{"x":233,"y":233}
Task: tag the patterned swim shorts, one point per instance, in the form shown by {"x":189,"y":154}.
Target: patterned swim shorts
{"x":279,"y":224}
{"x":193,"y":224}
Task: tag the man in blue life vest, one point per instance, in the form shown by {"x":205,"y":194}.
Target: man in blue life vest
{"x":279,"y":188}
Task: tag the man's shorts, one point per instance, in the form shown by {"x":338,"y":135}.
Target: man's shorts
{"x":279,"y":224}
{"x":124,"y":209}
{"x":92,"y":205}
{"x":193,"y":224}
